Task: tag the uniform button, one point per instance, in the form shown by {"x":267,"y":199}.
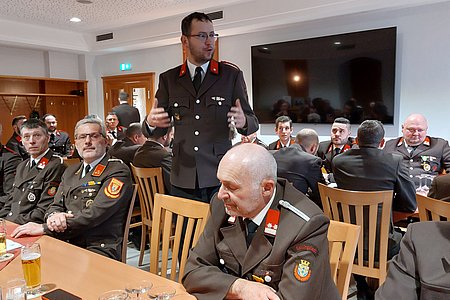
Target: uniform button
{"x":267,"y":278}
{"x":23,"y":190}
{"x":411,"y":168}
{"x":90,"y":194}
{"x":411,"y":160}
{"x":195,"y":148}
{"x":196,"y":132}
{"x":197,"y":101}
{"x":221,"y":261}
{"x":102,"y":245}
{"x":10,"y":213}
{"x":19,"y":202}
{"x":220,"y":103}
{"x":197,"y":117}
{"x":175,"y":104}
{"x":411,"y":176}
{"x":75,"y":197}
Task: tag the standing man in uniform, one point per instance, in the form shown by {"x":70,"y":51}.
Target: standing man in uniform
{"x":126,"y":113}
{"x":208,"y":101}
{"x":265,"y":239}
{"x":283,"y":128}
{"x":37,"y":178}
{"x":92,"y":201}
{"x":422,"y":154}
{"x":339,"y":143}
{"x":59,"y":140}
{"x":9,"y":160}
{"x":15,"y":141}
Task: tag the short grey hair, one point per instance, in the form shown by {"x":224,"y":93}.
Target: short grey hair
{"x":91,"y":121}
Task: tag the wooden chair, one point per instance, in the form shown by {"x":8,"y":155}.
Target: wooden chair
{"x":432,"y":209}
{"x":127,"y":224}
{"x":371,"y":211}
{"x":342,"y":240}
{"x":166,"y":207}
{"x":150,"y":182}
{"x":71,"y":161}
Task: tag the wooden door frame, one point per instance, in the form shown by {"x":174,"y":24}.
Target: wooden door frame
{"x":148,"y":79}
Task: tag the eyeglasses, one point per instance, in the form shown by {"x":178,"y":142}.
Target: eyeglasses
{"x":35,"y":136}
{"x":203,"y":36}
{"x":95,"y":136}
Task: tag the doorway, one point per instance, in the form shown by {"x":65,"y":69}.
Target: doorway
{"x":140,"y":87}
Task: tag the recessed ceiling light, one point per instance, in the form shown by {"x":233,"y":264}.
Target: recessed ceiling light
{"x":85,"y":1}
{"x":75,"y":20}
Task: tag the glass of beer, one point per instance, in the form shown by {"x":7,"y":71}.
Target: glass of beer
{"x":2,"y":238}
{"x":31,"y":265}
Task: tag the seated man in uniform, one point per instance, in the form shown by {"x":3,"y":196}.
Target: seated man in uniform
{"x":126,"y":149}
{"x":37,"y":178}
{"x":265,"y":239}
{"x":92,"y":201}
{"x":59,"y":140}
{"x":15,"y":141}
{"x":339,"y":143}
{"x":114,"y":132}
{"x":421,"y":270}
{"x":283,"y":128}
{"x":440,"y":188}
{"x":421,"y":153}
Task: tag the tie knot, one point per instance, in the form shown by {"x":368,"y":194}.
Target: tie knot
{"x":33,"y":162}
{"x":87,"y":169}
{"x":251,"y":226}
{"x":198,"y":70}
{"x":337,"y":151}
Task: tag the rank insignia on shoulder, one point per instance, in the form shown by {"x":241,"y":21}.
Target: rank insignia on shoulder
{"x":113,"y":189}
{"x":98,"y":170}
{"x":51,"y":191}
{"x":272,"y":220}
{"x":302,"y":270}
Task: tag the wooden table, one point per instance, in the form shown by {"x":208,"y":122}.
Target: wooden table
{"x":84,"y":273}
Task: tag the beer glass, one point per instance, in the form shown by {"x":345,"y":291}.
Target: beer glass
{"x":114,"y":295}
{"x":2,"y":238}
{"x":31,"y":265}
{"x":138,"y":290}
{"x":162,"y":292}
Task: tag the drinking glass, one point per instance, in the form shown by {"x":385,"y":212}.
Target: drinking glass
{"x":16,"y":289}
{"x":162,"y":292}
{"x":139,"y":289}
{"x":31,"y":265}
{"x":114,"y":295}
{"x":2,"y":238}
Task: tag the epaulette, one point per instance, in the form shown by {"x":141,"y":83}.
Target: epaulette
{"x":116,"y":159}
{"x":60,"y":158}
{"x":294,"y":209}
{"x":230,"y":64}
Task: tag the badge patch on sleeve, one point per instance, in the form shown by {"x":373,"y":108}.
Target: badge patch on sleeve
{"x":113,"y":189}
{"x":302,"y":270}
{"x":51,"y":191}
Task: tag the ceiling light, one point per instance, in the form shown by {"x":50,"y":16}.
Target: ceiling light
{"x":75,"y":20}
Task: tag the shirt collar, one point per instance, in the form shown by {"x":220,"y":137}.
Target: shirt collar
{"x":260,"y":217}
{"x":94,"y":163}
{"x":38,"y":159}
{"x":192,"y":67}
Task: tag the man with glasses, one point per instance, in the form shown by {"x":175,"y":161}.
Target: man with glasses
{"x":207,"y":102}
{"x":37,"y":178}
{"x":423,"y":155}
{"x":92,"y":201}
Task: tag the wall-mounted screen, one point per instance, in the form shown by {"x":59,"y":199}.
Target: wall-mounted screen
{"x":315,"y":80}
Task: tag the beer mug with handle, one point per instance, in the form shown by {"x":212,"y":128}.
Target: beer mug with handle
{"x":31,"y":265}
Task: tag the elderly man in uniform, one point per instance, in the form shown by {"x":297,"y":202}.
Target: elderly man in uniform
{"x":9,"y":160}
{"x":421,"y":270}
{"x":15,"y":141}
{"x":59,"y":140}
{"x":283,"y":128}
{"x":208,"y":101}
{"x":339,"y":143}
{"x":266,"y":240}
{"x":37,"y":178}
{"x":422,"y":154}
{"x":92,"y":201}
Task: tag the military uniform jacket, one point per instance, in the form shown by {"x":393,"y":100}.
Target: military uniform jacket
{"x":33,"y":189}
{"x":326,"y":153}
{"x":200,"y":119}
{"x":440,"y":188}
{"x":430,"y":157}
{"x":99,"y":202}
{"x":124,"y":150}
{"x":15,"y":144}
{"x":126,"y":114}
{"x":277,"y":144}
{"x":422,"y":268}
{"x":295,"y":262}
{"x":9,"y":160}
{"x":60,"y":143}
{"x":300,"y":168}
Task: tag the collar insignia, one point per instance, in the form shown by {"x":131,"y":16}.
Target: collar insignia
{"x":272,"y":220}
{"x":98,"y":170}
{"x":183,"y":69}
{"x":214,"y":67}
{"x":426,"y":142}
{"x":42,"y":163}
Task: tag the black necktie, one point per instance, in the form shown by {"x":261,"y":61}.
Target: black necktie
{"x":113,"y":133}
{"x":337,"y":151}
{"x":87,"y":169}
{"x":33,"y":163}
{"x":52,"y":137}
{"x":252,"y":227}
{"x":197,"y":79}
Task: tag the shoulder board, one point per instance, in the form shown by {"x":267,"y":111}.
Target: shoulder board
{"x":9,"y":150}
{"x":294,"y":209}
{"x":116,"y":160}
{"x":229,"y":64}
{"x":60,"y":158}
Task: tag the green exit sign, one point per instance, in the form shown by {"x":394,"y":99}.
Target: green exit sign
{"x":125,"y":67}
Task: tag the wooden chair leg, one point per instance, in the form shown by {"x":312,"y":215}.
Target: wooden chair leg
{"x":143,"y":242}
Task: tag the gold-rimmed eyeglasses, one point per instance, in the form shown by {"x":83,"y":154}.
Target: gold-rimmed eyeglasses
{"x":203,"y":36}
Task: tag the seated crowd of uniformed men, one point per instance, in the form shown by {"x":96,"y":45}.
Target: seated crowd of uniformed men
{"x":86,"y":203}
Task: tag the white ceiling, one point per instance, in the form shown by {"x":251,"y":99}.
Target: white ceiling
{"x":138,"y":24}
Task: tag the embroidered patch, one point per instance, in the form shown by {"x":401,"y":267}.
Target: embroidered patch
{"x":98,"y":170}
{"x":113,"y":189}
{"x":302,"y":270}
{"x":51,"y":191}
{"x":306,"y":247}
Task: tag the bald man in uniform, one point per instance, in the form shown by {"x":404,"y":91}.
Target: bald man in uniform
{"x":266,"y":240}
{"x":421,"y":153}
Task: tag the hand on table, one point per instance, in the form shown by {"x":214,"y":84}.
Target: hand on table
{"x":29,"y":228}
{"x":245,"y":289}
{"x":58,"y":222}
{"x":158,"y":117}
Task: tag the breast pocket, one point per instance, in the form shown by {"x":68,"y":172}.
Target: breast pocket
{"x":227,"y":262}
{"x":34,"y":190}
{"x":179,"y":109}
{"x":218,"y":107}
{"x":88,"y":195}
{"x":271,"y":274}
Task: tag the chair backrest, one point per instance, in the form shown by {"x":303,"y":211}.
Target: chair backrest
{"x":127,"y":224}
{"x":432,"y":209}
{"x":150,"y":182}
{"x":371,"y":211}
{"x":71,"y":161}
{"x":167,"y":239}
{"x":342,"y":240}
